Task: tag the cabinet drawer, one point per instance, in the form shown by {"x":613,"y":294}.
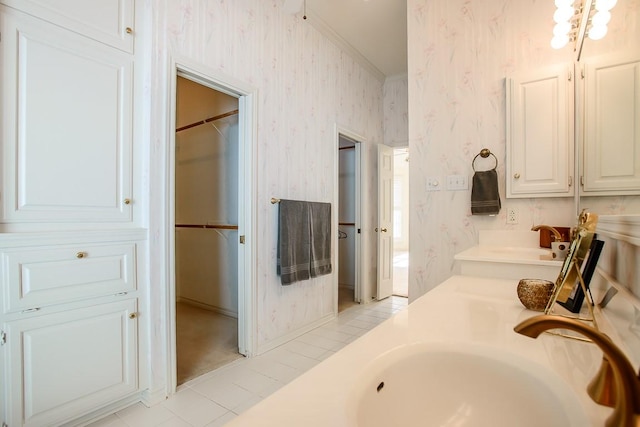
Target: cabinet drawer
{"x":46,"y":276}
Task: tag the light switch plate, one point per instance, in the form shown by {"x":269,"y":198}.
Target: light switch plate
{"x":457,"y":182}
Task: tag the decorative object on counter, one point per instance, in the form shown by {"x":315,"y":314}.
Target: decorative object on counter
{"x":559,"y":250}
{"x":485,"y":197}
{"x":534,"y":294}
{"x":576,"y":298}
{"x":571,"y":276}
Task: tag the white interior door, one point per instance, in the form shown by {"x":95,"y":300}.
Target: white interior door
{"x":385,"y":222}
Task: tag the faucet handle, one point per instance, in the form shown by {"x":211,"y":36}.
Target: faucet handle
{"x":602,"y":388}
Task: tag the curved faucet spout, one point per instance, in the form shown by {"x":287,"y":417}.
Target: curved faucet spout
{"x":626,"y":381}
{"x":556,"y":234}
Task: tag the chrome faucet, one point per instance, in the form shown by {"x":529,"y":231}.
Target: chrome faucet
{"x":625,"y":387}
{"x":556,"y":234}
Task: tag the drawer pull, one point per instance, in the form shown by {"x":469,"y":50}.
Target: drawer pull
{"x":30,"y":310}
{"x":81,"y":255}
{"x":133,"y":315}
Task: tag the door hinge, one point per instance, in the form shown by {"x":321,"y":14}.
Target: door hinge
{"x":3,"y":340}
{"x":242,"y":240}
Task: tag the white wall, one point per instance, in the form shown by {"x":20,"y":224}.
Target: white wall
{"x":396,"y":111}
{"x":459,"y":55}
{"x":305,"y":86}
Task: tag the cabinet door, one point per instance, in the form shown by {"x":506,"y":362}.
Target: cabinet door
{"x":63,"y":365}
{"x":540,"y":133}
{"x":108,"y":21}
{"x":66,"y":123}
{"x":611,"y":162}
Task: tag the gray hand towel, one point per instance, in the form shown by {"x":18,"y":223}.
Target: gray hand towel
{"x":320,"y":222}
{"x":294,"y":242}
{"x":485,"y":198}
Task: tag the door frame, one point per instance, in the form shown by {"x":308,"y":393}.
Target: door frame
{"x":247,"y":124}
{"x":358,"y":140}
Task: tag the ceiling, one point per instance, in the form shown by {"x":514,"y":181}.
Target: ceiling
{"x":374,"y":31}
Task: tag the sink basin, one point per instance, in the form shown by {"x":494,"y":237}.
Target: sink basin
{"x":461,"y":385}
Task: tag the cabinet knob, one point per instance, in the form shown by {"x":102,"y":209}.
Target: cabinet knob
{"x":127,"y":201}
{"x":129,"y":30}
{"x":384,"y":230}
{"x":81,"y":255}
{"x":133,"y":315}
{"x":516,"y":175}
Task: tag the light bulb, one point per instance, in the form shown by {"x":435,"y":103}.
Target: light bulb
{"x":604,"y":5}
{"x":601,"y":18}
{"x":563,"y":14}
{"x":598,"y":32}
{"x":561,"y":29}
{"x":559,"y":42}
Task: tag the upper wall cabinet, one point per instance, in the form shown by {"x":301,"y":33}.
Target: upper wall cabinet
{"x":540,"y":133}
{"x":66,"y":124}
{"x":107,"y":21}
{"x":611,"y":147}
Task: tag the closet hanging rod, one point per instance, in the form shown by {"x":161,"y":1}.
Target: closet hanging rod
{"x":205,"y":121}
{"x":221,"y":226}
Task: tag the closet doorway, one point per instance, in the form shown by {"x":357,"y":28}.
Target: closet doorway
{"x":206,"y":174}
{"x":348,"y":221}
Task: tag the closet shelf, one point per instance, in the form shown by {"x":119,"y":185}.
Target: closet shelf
{"x":205,"y":121}
{"x":221,"y":226}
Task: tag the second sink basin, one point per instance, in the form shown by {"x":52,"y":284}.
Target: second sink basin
{"x":461,"y":385}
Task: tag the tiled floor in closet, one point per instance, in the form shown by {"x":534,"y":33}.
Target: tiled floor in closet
{"x":219,"y":396}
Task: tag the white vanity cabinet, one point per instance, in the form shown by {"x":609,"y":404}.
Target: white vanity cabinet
{"x":69,"y":333}
{"x":62,"y":365}
{"x":540,"y":133}
{"x":72,"y":332}
{"x":67,"y":124}
{"x":107,"y":21}
{"x":611,"y":140}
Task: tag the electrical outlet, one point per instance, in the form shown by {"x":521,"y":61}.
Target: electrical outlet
{"x":512,"y":216}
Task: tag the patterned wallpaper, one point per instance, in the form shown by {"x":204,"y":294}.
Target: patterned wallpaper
{"x":306,"y":86}
{"x":459,"y":54}
{"x":396,"y":111}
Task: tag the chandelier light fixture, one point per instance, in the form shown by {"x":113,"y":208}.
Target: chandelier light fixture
{"x":576,"y":19}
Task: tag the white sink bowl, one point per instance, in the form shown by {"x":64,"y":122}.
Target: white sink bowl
{"x":461,"y":385}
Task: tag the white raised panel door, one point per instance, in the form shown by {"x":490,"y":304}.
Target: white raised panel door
{"x":63,"y":365}
{"x":107,"y":21}
{"x":611,"y":159}
{"x":540,"y":133}
{"x":67,"y":125}
{"x":385,"y":222}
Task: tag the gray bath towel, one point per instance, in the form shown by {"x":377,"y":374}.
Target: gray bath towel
{"x":304,"y":240}
{"x":294,"y":242}
{"x":485,"y":198}
{"x":320,"y":222}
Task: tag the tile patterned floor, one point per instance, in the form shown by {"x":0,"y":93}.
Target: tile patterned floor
{"x":219,"y":396}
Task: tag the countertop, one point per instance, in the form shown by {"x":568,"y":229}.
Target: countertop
{"x":462,"y":309}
